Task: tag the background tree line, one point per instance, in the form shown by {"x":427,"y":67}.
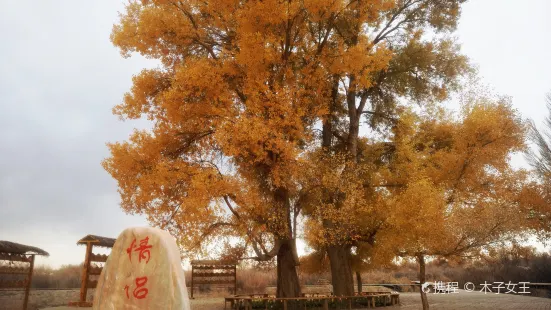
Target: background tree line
{"x":513,"y":264}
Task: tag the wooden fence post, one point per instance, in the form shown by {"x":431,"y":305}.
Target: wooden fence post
{"x":84,"y":277}
{"x":235,"y":280}
{"x":29,"y":280}
{"x":191,"y":281}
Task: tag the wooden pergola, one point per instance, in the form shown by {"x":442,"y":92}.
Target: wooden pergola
{"x":16,"y":261}
{"x":217,"y":272}
{"x":91,"y":266}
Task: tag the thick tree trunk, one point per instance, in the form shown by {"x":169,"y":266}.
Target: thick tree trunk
{"x":287,"y":277}
{"x":287,"y":259}
{"x":359,"y":283}
{"x":339,"y":255}
{"x":341,"y":271}
{"x":424,"y":300}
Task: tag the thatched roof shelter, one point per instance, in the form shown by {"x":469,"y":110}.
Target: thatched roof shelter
{"x":8,"y":247}
{"x":98,"y":241}
{"x":88,"y":270}
{"x":22,"y":254}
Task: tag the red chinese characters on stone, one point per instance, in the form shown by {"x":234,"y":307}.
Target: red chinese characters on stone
{"x":129,"y":249}
{"x":143,"y":249}
{"x":140,"y":291}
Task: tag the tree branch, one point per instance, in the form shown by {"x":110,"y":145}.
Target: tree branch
{"x":171,"y":216}
{"x":262,"y":257}
{"x":386,"y":31}
{"x":379,"y":114}
{"x":232,"y":210}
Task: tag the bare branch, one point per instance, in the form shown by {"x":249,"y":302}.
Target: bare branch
{"x":171,"y":216}
{"x":233,"y":211}
{"x":383,"y":34}
{"x":379,"y":114}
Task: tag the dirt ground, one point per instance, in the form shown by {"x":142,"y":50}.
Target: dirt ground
{"x":39,"y":299}
{"x":412,"y":301}
{"x":196,"y":304}
{"x":48,"y":300}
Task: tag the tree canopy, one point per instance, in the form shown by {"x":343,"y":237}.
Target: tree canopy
{"x":265,"y":112}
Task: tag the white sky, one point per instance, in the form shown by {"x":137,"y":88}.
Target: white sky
{"x":60,"y":76}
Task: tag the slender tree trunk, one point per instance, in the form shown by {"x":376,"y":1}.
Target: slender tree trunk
{"x":327,"y":130}
{"x":341,"y":270}
{"x":424,"y":300}
{"x":353,"y":133}
{"x":359,"y":281}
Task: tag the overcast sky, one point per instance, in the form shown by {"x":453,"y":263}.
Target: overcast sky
{"x":60,"y":76}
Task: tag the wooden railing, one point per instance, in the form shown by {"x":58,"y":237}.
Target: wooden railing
{"x":366,"y":300}
{"x":22,"y":268}
{"x":210,"y":272}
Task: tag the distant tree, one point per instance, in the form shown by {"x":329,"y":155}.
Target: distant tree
{"x":66,"y":276}
{"x":540,"y":159}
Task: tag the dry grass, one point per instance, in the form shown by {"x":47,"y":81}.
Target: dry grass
{"x":208,"y":303}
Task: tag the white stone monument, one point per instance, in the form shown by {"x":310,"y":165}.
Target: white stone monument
{"x":143,"y":271}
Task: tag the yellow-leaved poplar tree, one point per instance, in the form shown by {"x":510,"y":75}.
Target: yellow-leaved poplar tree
{"x":457,"y":191}
{"x":443,"y":187}
{"x":436,"y":185}
{"x":238,"y":102}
